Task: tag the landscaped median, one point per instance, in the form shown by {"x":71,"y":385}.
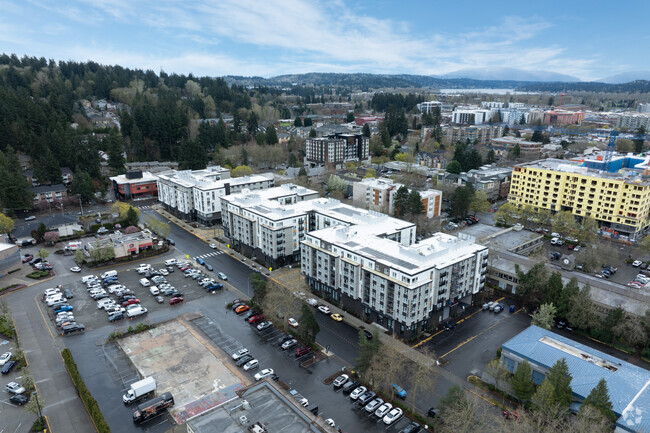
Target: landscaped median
{"x":84,"y":393}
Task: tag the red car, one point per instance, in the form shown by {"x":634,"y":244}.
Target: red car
{"x":302,"y":351}
{"x":27,"y":258}
{"x":176,"y":300}
{"x":130,"y":302}
{"x":256,"y":318}
{"x":511,"y":415}
{"x":185,"y":268}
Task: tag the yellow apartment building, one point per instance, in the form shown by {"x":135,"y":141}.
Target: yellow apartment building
{"x":620,"y":201}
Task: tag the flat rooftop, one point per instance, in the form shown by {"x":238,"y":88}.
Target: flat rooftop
{"x":268,"y":407}
{"x":634,"y":172}
{"x":146,"y":178}
{"x":184,"y":363}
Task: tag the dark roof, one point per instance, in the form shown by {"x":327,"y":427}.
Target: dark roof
{"x":66,"y":170}
{"x":48,"y":188}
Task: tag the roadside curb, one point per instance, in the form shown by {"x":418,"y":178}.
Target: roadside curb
{"x":30,"y":285}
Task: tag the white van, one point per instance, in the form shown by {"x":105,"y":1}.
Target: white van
{"x":170,"y":262}
{"x":54,"y":299}
{"x":145,"y":282}
{"x":109,"y":274}
{"x":154,"y":290}
{"x":88,"y":278}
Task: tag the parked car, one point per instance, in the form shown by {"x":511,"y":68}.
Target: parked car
{"x":75,"y":269}
{"x":373,"y":405}
{"x":252,"y":364}
{"x":354,"y":395}
{"x":288,"y":344}
{"x":145,"y":283}
{"x":264,"y":325}
{"x":263,"y":374}
{"x":222,"y":276}
{"x":9,"y":365}
{"x":19,"y":399}
{"x":324,"y":309}
{"x":14,"y":388}
{"x":392,"y":416}
{"x":240,"y":353}
{"x":242,"y":309}
{"x":350,"y":386}
{"x":366,"y":397}
{"x":411,"y":428}
{"x":64,"y":307}
{"x":243,"y":360}
{"x":337,"y":317}
{"x":293,"y":322}
{"x":637,"y":263}
{"x":255,"y":319}
{"x":5,"y":357}
{"x":302,"y":351}
{"x":311,"y":301}
{"x":340,"y":381}
{"x":383,"y":410}
{"x":176,"y":300}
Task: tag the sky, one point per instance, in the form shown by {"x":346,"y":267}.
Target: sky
{"x":587,"y":39}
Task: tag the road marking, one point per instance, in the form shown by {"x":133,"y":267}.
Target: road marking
{"x":43,"y":316}
{"x":427,"y":339}
{"x":471,"y":338}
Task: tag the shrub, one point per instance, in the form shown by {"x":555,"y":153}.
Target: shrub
{"x":84,"y":393}
{"x":39,"y":424}
{"x":7,"y":326}
{"x":93,"y":228}
{"x":15,"y":270}
{"x":38,"y":274}
{"x":59,"y":251}
{"x":499,"y":353}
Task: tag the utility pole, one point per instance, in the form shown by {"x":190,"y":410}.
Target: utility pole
{"x":81,"y":205}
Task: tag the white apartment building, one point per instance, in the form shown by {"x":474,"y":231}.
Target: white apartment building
{"x":492,"y":104}
{"x":634,"y":121}
{"x":270,"y":224}
{"x":194,"y":195}
{"x":470,"y":117}
{"x":337,"y":149}
{"x":403,"y":288}
{"x":429,"y":106}
{"x":644,"y":108}
{"x":378,"y":194}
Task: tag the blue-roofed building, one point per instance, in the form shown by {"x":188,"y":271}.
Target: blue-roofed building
{"x":628,"y":385}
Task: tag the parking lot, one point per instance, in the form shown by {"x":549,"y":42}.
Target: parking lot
{"x":14,"y":418}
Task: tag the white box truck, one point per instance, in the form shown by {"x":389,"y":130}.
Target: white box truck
{"x":139,"y":389}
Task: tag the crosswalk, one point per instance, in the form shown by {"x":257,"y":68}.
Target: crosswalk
{"x":143,"y":207}
{"x":212,"y":254}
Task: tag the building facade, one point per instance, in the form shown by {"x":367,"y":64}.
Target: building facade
{"x":619,"y":202}
{"x":270,"y":224}
{"x":563,"y":117}
{"x":406,"y":289}
{"x":50,"y":193}
{"x":379,"y":195}
{"x":337,"y":149}
{"x":482,"y":134}
{"x":527,"y":149}
{"x":135,"y":184}
{"x":194,"y":195}
{"x":470,"y":117}
{"x":634,"y":120}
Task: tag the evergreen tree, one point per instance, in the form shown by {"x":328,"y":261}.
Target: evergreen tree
{"x":516,"y":150}
{"x":350,"y":117}
{"x":560,"y":378}
{"x":368,"y":348}
{"x":553,"y":289}
{"x":115,"y":151}
{"x":82,"y":184}
{"x":298,"y":122}
{"x":365,"y":131}
{"x":193,"y":156}
{"x":308,"y":324}
{"x":522,"y":120}
{"x":414,"y":204}
{"x":302,"y":172}
{"x":454,"y":167}
{"x":132,"y":217}
{"x":252,"y":124}
{"x":14,"y":188}
{"x":537,"y":136}
{"x":271,"y":135}
{"x":307,"y":121}
{"x":543,"y":399}
{"x":522,"y":381}
{"x":490,"y":158}
{"x":544,"y":316}
{"x":312,"y":133}
{"x":599,"y":399}
{"x":460,"y":201}
{"x":401,"y":197}
{"x":506,"y":130}
{"x":638,"y":142}
{"x":244,"y":156}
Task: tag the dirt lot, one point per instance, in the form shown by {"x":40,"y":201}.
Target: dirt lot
{"x":185,"y":364}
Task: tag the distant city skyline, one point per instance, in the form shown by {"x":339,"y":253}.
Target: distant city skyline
{"x":586,"y":39}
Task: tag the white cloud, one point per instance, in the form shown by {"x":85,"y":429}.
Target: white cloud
{"x":302,"y":34}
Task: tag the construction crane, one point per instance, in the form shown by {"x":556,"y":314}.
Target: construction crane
{"x":610,"y":148}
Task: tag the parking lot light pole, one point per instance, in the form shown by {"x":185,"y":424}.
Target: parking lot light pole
{"x":40,"y":415}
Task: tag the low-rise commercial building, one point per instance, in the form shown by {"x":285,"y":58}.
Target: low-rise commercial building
{"x":9,"y":258}
{"x":405,"y":288}
{"x":123,"y":245}
{"x":194,"y":195}
{"x":628,"y":385}
{"x":378,"y":194}
{"x":270,"y":224}
{"x":135,"y":184}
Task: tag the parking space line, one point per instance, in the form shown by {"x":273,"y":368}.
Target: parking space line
{"x":43,"y":316}
{"x":427,"y":339}
{"x":471,"y":338}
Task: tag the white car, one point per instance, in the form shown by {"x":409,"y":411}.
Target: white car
{"x":393,"y":416}
{"x":5,"y":357}
{"x":240,"y":353}
{"x":253,"y":363}
{"x":222,"y":276}
{"x":116,"y":288}
{"x":357,"y":392}
{"x":75,"y":269}
{"x":330,"y":422}
{"x":340,"y":381}
{"x":293,"y":322}
{"x":264,"y":374}
{"x":50,"y":292}
{"x":311,"y":301}
{"x":14,"y":388}
{"x":213,"y":246}
{"x":637,"y":263}
{"x":324,"y":309}
{"x":383,"y":410}
{"x":154,"y":290}
{"x":163,"y":272}
{"x":137,"y":311}
{"x":144,"y":282}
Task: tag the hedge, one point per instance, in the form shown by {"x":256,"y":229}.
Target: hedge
{"x":91,"y":404}
{"x":38,"y":274}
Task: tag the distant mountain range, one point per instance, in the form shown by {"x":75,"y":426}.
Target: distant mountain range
{"x":510,"y":74}
{"x":626,"y":77}
{"x":372,"y":82}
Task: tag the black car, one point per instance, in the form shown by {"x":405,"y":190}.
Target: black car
{"x":171,"y":242}
{"x":243,"y":360}
{"x":366,"y":397}
{"x":411,"y":428}
{"x":115,"y":317}
{"x":349,"y":386}
{"x":274,"y":377}
{"x":450,"y":325}
{"x":368,"y":334}
{"x":19,"y":399}
{"x":9,"y":365}
{"x":284,"y":338}
{"x":432,"y":412}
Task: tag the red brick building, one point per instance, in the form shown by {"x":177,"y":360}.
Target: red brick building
{"x":135,"y":184}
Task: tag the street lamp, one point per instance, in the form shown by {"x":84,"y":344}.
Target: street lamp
{"x":40,"y":415}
